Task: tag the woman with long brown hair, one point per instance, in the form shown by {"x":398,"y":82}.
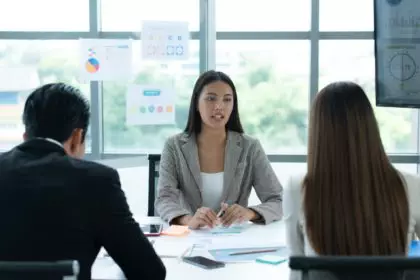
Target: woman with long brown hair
{"x":351,"y":201}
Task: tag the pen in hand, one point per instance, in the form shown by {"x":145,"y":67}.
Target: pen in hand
{"x":223,"y":209}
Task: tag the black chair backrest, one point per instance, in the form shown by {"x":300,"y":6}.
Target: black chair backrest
{"x":357,"y":267}
{"x":154,"y":160}
{"x":13,"y":270}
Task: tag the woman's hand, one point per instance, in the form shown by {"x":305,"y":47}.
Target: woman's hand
{"x":203,"y":217}
{"x":236,"y":214}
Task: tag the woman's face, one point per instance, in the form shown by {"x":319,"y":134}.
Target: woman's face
{"x":215,"y":104}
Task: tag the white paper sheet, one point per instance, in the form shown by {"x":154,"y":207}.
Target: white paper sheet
{"x":172,"y":248}
{"x":105,"y":60}
{"x":164,"y":40}
{"x":150,"y":105}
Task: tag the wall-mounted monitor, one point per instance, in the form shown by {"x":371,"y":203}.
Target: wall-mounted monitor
{"x":397,"y":53}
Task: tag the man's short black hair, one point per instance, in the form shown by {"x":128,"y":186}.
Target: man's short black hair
{"x":54,"y":111}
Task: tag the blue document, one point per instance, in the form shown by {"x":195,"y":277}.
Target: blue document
{"x":225,"y":255}
{"x":414,"y":249}
{"x":227,"y":230}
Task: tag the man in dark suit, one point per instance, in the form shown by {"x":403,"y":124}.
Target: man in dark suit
{"x":56,"y":206}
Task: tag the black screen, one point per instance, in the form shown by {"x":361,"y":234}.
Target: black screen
{"x":397,"y":53}
{"x":151,"y":228}
{"x":204,"y":261}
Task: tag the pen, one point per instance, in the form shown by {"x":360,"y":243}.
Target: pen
{"x":253,"y":252}
{"x":222,"y":210}
{"x":221,"y":213}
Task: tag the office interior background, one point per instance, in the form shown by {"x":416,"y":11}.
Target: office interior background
{"x":279,"y":54}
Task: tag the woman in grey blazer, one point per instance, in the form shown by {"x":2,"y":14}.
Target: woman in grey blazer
{"x":213,"y":165}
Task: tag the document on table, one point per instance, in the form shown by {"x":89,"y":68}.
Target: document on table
{"x":232,"y":254}
{"x":221,"y":248}
{"x":221,"y":230}
{"x":172,"y":248}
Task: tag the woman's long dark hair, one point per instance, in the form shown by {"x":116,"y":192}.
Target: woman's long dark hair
{"x":355,"y":202}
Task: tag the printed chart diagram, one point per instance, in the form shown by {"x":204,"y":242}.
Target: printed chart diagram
{"x":150,"y":105}
{"x":92,"y":64}
{"x":402,"y":66}
{"x":165,"y":40}
{"x":105,"y":60}
{"x":398,"y":71}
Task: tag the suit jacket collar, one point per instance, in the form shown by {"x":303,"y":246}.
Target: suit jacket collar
{"x":233,"y":151}
{"x":39,"y":145}
{"x":190,"y":152}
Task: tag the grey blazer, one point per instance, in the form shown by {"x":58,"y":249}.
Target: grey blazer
{"x":246,"y":166}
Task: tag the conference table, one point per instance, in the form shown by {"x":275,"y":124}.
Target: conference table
{"x":197,"y":243}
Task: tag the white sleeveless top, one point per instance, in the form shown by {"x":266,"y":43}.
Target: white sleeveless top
{"x":296,"y":237}
{"x":212,"y":189}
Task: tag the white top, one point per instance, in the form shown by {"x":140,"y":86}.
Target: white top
{"x":212,"y":189}
{"x":296,"y":238}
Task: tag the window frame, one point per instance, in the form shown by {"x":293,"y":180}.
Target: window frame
{"x":207,"y":36}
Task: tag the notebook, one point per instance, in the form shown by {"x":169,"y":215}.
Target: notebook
{"x":176,"y":230}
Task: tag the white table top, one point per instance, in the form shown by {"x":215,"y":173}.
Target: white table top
{"x":105,"y":268}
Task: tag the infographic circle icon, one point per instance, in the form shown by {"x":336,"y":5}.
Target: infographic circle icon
{"x":92,"y":65}
{"x":402,"y":66}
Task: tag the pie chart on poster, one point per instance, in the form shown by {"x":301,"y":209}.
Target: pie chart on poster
{"x":92,"y":65}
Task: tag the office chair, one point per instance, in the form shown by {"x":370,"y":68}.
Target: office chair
{"x":154,"y":160}
{"x":357,"y":267}
{"x":59,"y":270}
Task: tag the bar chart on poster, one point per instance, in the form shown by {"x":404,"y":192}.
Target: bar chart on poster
{"x":397,"y":53}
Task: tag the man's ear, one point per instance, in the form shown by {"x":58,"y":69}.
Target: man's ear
{"x":76,"y":140}
{"x":25,"y":136}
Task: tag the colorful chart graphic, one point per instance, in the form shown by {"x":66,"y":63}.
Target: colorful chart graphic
{"x":92,"y":64}
{"x":165,"y":40}
{"x":150,"y":105}
{"x":155,"y":109}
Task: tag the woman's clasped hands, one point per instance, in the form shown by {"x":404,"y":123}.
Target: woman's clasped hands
{"x":228,"y":215}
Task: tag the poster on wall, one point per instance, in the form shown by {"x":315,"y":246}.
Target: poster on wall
{"x":165,"y":40}
{"x":105,"y":60}
{"x":397,"y":53}
{"x":150,"y":105}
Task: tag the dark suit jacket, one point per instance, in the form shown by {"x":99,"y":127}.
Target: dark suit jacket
{"x":54,"y":207}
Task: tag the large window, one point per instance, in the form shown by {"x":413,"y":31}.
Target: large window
{"x":346,"y":15}
{"x":25,"y":65}
{"x":266,"y":15}
{"x":278,"y":53}
{"x":44,"y":15}
{"x":127,"y":15}
{"x":272,"y":79}
{"x":179,"y":76}
{"x":354,"y":60}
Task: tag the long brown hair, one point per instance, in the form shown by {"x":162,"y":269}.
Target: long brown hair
{"x":355,"y":202}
